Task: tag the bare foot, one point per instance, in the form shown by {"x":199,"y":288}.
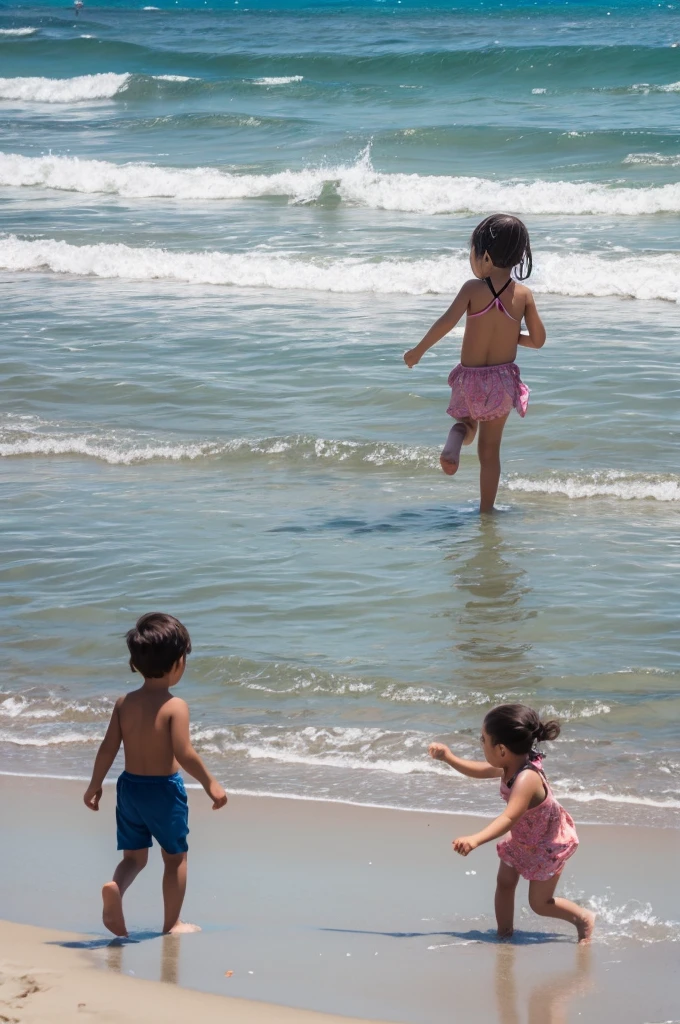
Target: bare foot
{"x":585,"y":928}
{"x":504,"y":936}
{"x":449,"y":467}
{"x":113,"y":909}
{"x":183,"y":928}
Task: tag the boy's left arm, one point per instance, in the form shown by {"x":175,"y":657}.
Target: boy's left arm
{"x":187,"y":757}
{"x":520,"y":799}
{"x":106,"y":755}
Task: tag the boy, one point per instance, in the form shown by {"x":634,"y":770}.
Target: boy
{"x":153,"y":727}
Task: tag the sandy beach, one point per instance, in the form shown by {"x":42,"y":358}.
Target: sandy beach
{"x":44,"y":978}
{"x":339,"y":909}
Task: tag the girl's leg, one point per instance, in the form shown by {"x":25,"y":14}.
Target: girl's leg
{"x":506,"y":883}
{"x":462,"y":432}
{"x":489,"y":451}
{"x":112,"y":894}
{"x":542,"y":901}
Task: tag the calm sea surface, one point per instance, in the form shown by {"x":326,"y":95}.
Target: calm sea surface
{"x":220,"y":228}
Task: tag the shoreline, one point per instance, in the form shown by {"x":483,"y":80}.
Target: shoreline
{"x":363,"y":913}
{"x":338,"y":801}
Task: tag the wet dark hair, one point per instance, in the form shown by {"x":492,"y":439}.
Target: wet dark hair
{"x":518,"y":727}
{"x":506,"y":240}
{"x":157,"y":642}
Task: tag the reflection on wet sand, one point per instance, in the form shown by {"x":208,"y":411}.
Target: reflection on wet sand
{"x":548,"y":999}
{"x":491,"y":587}
{"x":170,"y":959}
{"x":114,"y":953}
{"x":114,"y":956}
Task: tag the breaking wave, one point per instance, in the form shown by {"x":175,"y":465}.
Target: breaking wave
{"x":579,"y":274}
{"x":357,"y":184}
{"x":63,"y":90}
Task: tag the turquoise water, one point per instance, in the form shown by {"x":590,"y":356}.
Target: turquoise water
{"x":220,"y":230}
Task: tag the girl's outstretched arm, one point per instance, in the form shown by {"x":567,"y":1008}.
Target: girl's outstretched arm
{"x":536,"y":336}
{"x":473,"y":769}
{"x":441,"y":327}
{"x":527,"y":786}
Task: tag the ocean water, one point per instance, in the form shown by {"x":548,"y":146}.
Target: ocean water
{"x":221,"y":227}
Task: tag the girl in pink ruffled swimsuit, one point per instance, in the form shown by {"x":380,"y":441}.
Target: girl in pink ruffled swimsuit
{"x":539,"y":834}
{"x":486,"y":385}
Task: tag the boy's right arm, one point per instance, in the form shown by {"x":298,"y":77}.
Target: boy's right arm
{"x":106,"y":755}
{"x":187,"y":756}
{"x":473,"y":769}
{"x":441,"y":327}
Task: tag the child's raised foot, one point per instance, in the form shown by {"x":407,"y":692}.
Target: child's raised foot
{"x":183,"y":928}
{"x":449,"y":467}
{"x":585,"y":928}
{"x":112,"y":915}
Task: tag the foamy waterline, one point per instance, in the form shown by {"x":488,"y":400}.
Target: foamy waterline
{"x":656,"y":276}
{"x":603,"y":484}
{"x":118,"y":448}
{"x":358,"y":184}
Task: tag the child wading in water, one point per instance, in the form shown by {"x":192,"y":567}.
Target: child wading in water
{"x":486,"y":385}
{"x":153,"y":727}
{"x":543,"y":836}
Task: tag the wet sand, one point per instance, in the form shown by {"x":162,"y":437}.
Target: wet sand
{"x":46,"y":977}
{"x":355,"y":911}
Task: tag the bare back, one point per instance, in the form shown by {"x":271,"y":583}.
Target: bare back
{"x":145,"y":718}
{"x":491,"y":337}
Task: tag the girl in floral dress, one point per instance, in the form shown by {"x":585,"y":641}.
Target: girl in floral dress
{"x":539,"y":834}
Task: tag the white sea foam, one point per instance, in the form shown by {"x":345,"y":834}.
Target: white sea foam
{"x":568,"y":790}
{"x":50,"y":707}
{"x":284,"y":80}
{"x":589,"y":274}
{"x":538,"y":92}
{"x":118,"y":447}
{"x":107,"y":450}
{"x":18,"y":31}
{"x":368,"y":749}
{"x":36,"y":437}
{"x":59,"y":739}
{"x":63,"y":90}
{"x":654,"y":159}
{"x":605,"y":484}
{"x":645,"y":87}
{"x":174,"y":78}
{"x":358,"y":184}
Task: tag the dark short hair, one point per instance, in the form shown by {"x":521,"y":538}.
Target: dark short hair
{"x":518,"y":727}
{"x":157,"y":642}
{"x":506,"y":240}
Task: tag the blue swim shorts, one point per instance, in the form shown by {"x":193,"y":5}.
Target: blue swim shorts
{"x":152,"y":805}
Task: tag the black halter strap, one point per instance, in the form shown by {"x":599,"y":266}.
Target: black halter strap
{"x":493,"y":290}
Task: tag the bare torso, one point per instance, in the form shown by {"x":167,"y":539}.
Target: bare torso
{"x":491,"y":339}
{"x":145,"y":717}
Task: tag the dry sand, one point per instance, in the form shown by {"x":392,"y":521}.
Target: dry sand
{"x":347,"y":910}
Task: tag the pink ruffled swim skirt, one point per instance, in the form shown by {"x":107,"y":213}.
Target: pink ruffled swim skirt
{"x":486,"y":392}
